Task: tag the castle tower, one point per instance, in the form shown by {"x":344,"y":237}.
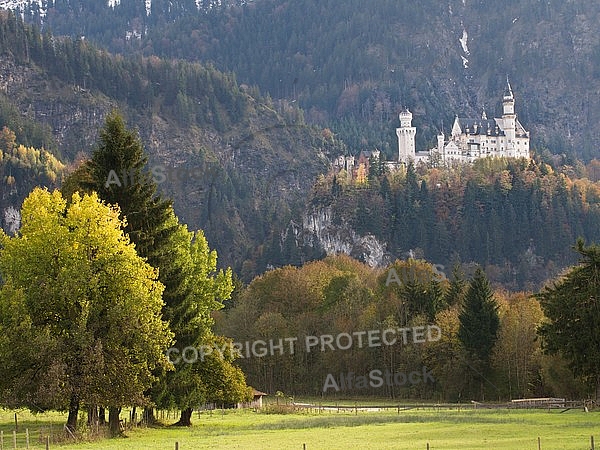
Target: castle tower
{"x":406,"y":137}
{"x":509,"y":118}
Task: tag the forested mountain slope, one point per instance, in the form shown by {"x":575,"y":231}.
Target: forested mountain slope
{"x":236,"y":166}
{"x":240,"y":166}
{"x":354,"y":64}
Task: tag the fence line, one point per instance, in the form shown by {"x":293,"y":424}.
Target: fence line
{"x":565,"y":405}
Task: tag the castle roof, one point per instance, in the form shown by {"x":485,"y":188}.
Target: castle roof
{"x":488,"y":127}
{"x":520,"y":129}
{"x":471,"y":126}
{"x":508,"y":93}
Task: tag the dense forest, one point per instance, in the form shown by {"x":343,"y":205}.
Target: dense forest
{"x":302,"y":308}
{"x":190,"y":93}
{"x":516,"y":218}
{"x":254,"y":159}
{"x":22,"y":168}
{"x":498,"y":214}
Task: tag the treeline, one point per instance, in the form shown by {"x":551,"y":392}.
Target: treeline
{"x":338,"y":318}
{"x":516,"y":218}
{"x":17,"y":161}
{"x":27,"y":131}
{"x":191,"y":93}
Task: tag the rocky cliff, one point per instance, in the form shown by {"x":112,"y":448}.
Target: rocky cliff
{"x":318,"y":226}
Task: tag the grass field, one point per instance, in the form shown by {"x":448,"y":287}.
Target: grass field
{"x":408,"y":429}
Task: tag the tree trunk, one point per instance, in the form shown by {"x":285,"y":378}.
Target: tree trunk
{"x":114,"y":424}
{"x":149,"y":417}
{"x":185,"y":420}
{"x":92,"y":418}
{"x":73,"y":412}
{"x":101,"y":415}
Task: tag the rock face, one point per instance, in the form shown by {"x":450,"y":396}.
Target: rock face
{"x":334,"y":239}
{"x":11,"y":220}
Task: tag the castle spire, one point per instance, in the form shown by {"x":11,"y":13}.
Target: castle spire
{"x":508,"y":101}
{"x":508,"y":93}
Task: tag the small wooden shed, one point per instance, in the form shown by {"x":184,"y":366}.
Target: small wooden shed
{"x":256,"y":402}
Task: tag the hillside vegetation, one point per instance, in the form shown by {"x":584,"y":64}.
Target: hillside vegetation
{"x":518,"y":219}
{"x":298,"y":327}
{"x":240,"y":166}
{"x":356,"y":64}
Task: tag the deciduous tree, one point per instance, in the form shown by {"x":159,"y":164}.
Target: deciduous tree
{"x":80,"y":311}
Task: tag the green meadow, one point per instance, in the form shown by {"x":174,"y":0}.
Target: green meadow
{"x":411,"y":428}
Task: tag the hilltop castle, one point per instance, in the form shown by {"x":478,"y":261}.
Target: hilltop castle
{"x":470,"y":139}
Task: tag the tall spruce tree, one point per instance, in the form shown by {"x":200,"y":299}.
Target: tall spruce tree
{"x":572,"y":308}
{"x":479,"y":323}
{"x":117,"y":173}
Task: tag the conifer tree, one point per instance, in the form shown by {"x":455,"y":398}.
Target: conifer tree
{"x":479,"y":318}
{"x":117,"y":173}
{"x":572,"y":307}
{"x":479,"y":323}
{"x":456,"y":289}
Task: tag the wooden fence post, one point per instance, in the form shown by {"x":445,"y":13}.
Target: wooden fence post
{"x":14,"y":439}
{"x":592,"y":442}
{"x":176,"y":445}
{"x":47,"y":442}
{"x":539,"y":443}
{"x":27,"y":438}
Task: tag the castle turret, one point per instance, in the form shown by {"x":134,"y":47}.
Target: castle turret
{"x":440,"y":143}
{"x":406,"y":137}
{"x":509,"y":118}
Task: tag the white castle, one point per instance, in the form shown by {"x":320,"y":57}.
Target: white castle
{"x":471,"y":139}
